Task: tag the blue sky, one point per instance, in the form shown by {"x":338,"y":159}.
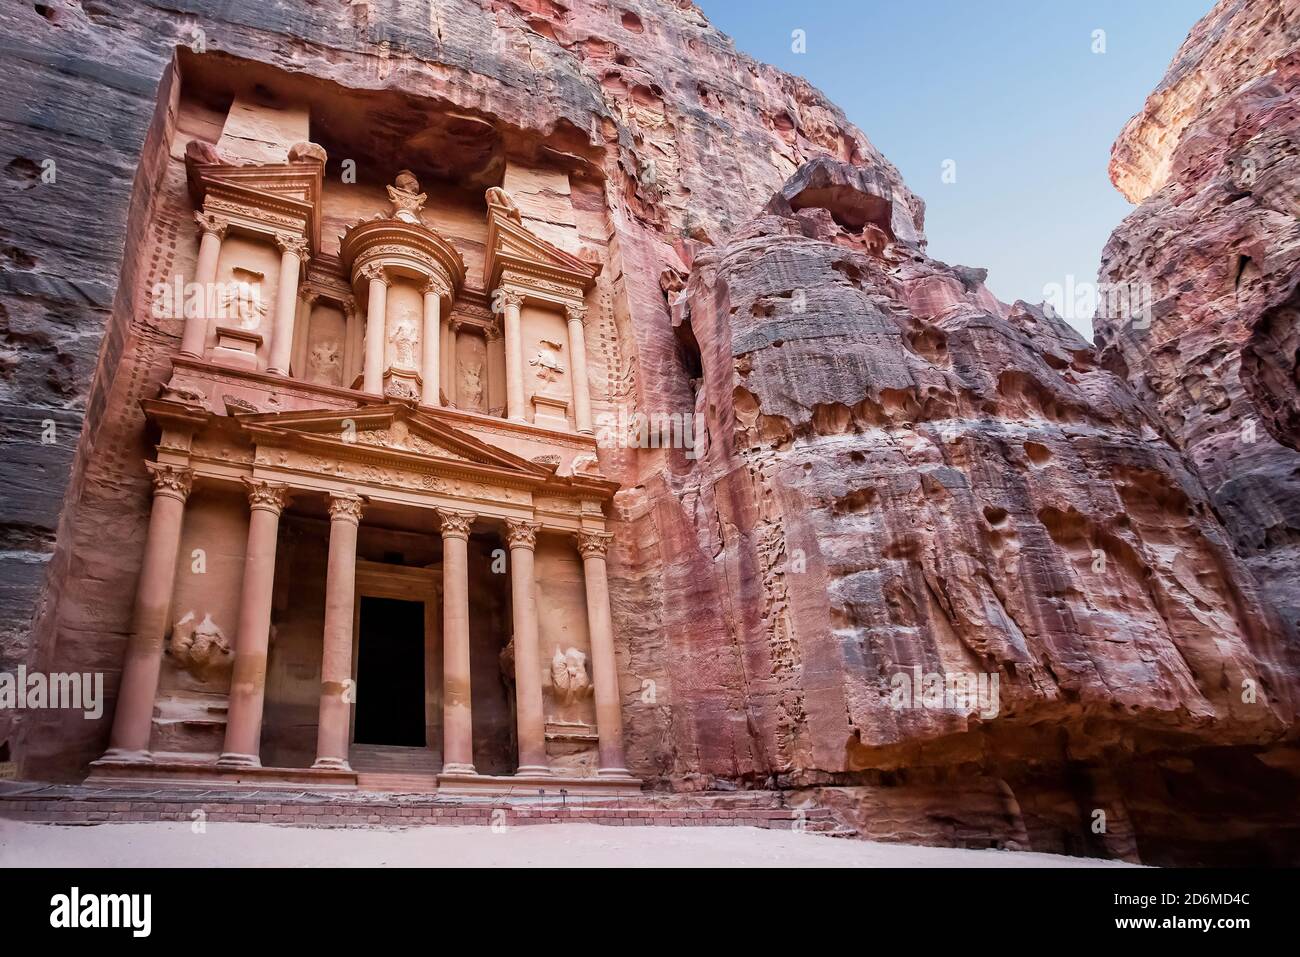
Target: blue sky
{"x":1010,"y":90}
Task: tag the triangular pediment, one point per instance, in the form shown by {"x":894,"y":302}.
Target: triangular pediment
{"x":393,"y":429}
{"x":511,"y":245}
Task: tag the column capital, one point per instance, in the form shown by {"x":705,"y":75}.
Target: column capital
{"x":576,"y":313}
{"x":288,"y":243}
{"x":271,"y":496}
{"x":594,"y":544}
{"x":436,"y":286}
{"x":522,"y":534}
{"x":174,"y":481}
{"x":208,"y":223}
{"x":350,"y":308}
{"x":345,"y":507}
{"x":373,"y":271}
{"x":492,"y":331}
{"x":509,"y":296}
{"x":455,"y":524}
{"x":307,"y":295}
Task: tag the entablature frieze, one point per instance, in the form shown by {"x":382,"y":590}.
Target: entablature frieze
{"x":257,"y":222}
{"x":537,"y":290}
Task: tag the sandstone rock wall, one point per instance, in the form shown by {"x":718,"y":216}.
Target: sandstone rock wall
{"x":1214,"y":160}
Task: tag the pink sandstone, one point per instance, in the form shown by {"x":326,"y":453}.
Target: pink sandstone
{"x":898,"y":474}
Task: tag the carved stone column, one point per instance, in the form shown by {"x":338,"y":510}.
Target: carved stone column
{"x":577,"y":316}
{"x":609,"y":717}
{"x":514,"y":356}
{"x":336,"y":651}
{"x":355,"y":343}
{"x":248,"y":680}
{"x":528,"y":665}
{"x":293,"y":252}
{"x":302,"y":332}
{"x":457,"y":727}
{"x":133,"y":719}
{"x":453,"y":369}
{"x":195,"y":334}
{"x":429,"y":342}
{"x":496,"y":365}
{"x":444,"y":371}
{"x":376,"y":312}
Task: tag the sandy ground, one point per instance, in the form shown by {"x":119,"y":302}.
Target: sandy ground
{"x":543,"y":845}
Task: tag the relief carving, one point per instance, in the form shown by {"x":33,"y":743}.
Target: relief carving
{"x":403,"y":343}
{"x":400,"y":388}
{"x":324,"y":364}
{"x":471,"y":384}
{"x":547,"y":361}
{"x":202,"y":649}
{"x":569,"y":680}
{"x":241,"y":298}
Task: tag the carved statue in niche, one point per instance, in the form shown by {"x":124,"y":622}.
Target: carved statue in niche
{"x":547,"y":361}
{"x":202,"y":649}
{"x":241,"y":299}
{"x":406,"y":197}
{"x":569,"y":681}
{"x":471,"y":384}
{"x":403,"y":343}
{"x":324,"y":363}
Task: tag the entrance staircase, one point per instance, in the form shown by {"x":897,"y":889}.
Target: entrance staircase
{"x":394,"y":769}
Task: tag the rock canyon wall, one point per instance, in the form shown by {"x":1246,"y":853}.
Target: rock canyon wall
{"x":897,"y":474}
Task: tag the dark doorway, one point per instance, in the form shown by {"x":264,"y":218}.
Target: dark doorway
{"x":390,"y":673}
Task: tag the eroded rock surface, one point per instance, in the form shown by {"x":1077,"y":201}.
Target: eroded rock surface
{"x":1214,"y":160}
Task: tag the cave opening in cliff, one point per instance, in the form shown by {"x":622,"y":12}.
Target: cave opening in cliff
{"x":690,"y":356}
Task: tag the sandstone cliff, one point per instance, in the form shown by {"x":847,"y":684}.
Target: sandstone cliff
{"x":898,"y":471}
{"x":1213,"y":160}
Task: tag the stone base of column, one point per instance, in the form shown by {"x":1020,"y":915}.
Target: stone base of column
{"x":232,"y":760}
{"x":454,"y":768}
{"x":619,"y":773}
{"x":532,"y":770}
{"x":126,"y":756}
{"x":331,"y":764}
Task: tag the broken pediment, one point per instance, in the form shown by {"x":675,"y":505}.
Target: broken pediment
{"x":513,"y":248}
{"x":394,"y":428}
{"x":283,"y":196}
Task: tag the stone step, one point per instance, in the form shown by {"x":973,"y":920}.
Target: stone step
{"x":397,"y":782}
{"x":375,"y":758}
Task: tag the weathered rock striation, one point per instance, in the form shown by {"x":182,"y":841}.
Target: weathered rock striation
{"x":898,"y":475}
{"x":1214,"y":162}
